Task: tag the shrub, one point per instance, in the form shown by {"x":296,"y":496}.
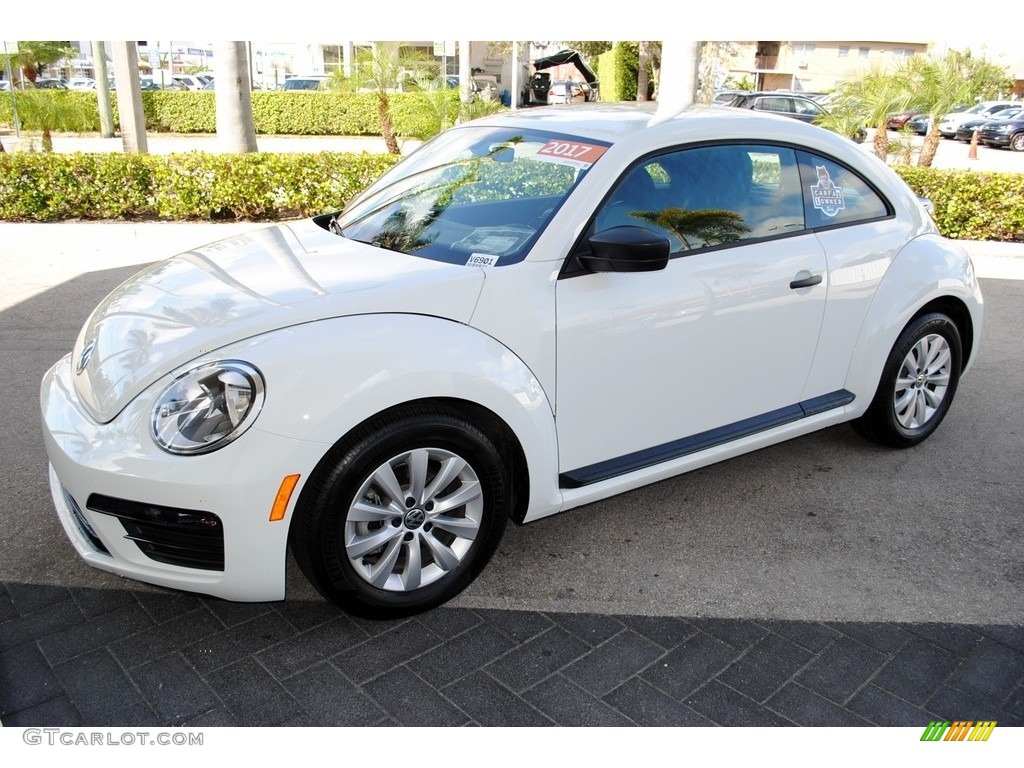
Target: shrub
{"x":305,"y":113}
{"x":266,"y":186}
{"x":971,"y":205}
{"x":183,"y":187}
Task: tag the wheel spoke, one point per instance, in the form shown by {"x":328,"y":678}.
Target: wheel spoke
{"x":938,"y":354}
{"x":920,"y":409}
{"x":360,"y":545}
{"x":418,"y":460}
{"x":469,"y":491}
{"x":412,"y":571}
{"x":443,"y":555}
{"x":384,"y":567}
{"x":385,"y":478}
{"x":932,"y":397}
{"x":366,"y":512}
{"x":903,"y":405}
{"x":463,"y":527}
{"x":450,"y":469}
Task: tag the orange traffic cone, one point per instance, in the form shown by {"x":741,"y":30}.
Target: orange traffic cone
{"x":973,"y":154}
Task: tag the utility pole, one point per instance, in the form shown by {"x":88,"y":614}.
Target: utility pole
{"x":99,"y":56}
{"x":129,"y":97}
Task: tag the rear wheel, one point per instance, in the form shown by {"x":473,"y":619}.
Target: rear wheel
{"x":918,"y":383}
{"x":405,"y":516}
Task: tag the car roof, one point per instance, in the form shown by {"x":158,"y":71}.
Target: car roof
{"x":630,"y":122}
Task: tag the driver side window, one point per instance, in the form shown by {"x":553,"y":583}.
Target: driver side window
{"x":706,"y":197}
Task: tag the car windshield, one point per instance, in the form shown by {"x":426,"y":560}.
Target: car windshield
{"x":475,"y":195}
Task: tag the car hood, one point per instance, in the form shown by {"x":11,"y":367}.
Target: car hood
{"x":186,"y":306}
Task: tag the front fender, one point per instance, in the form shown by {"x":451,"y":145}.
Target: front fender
{"x":928,"y":270}
{"x":323,"y":378}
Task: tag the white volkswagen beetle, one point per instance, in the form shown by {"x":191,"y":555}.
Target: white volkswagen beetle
{"x":532,"y":312}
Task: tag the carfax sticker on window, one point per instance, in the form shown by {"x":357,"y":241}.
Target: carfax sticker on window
{"x":482,"y":260}
{"x":575,"y":153}
{"x":826,"y":195}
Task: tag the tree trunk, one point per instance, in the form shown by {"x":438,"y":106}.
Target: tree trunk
{"x":47,"y":139}
{"x":236,"y":131}
{"x":881,"y":142}
{"x":103,"y":102}
{"x":386,"y":129}
{"x":678,"y":85}
{"x":642,"y":73}
{"x":929,"y":148}
{"x":129,"y":97}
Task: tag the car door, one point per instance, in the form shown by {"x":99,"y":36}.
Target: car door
{"x":658,"y":364}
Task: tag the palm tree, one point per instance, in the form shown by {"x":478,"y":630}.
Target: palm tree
{"x":33,"y":55}
{"x":235,"y":129}
{"x":49,"y":111}
{"x":942,"y":86}
{"x":382,"y":69}
{"x":874,"y":97}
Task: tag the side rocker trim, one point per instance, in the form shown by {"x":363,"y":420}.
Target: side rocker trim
{"x":621,"y":465}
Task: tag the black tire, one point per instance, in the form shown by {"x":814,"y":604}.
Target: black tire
{"x":417,"y":541}
{"x":918,"y":384}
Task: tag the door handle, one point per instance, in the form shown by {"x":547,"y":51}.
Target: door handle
{"x":805,"y":282}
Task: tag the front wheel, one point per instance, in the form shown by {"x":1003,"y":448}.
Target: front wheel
{"x":1017,"y":142}
{"x":918,"y":383}
{"x":405,"y":515}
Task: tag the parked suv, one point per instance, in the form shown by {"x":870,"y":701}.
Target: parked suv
{"x":1004,"y":133}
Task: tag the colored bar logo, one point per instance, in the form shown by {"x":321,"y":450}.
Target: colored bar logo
{"x":958,"y":730}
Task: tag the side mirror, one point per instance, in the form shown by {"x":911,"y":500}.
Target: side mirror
{"x":626,"y":249}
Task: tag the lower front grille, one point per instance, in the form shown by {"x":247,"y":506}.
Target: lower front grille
{"x":183,"y":537}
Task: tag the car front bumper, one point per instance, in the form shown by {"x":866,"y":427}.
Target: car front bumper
{"x":995,"y":139}
{"x":196,"y":523}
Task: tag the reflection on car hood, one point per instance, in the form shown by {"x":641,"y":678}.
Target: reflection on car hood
{"x":182,"y":308}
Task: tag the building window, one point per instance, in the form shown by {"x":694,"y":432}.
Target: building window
{"x":902,"y":53}
{"x":844,"y":51}
{"x":803,"y":48}
{"x":333,"y":59}
{"x":863,"y":52}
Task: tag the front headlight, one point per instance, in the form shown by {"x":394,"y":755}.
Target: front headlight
{"x":208,"y":407}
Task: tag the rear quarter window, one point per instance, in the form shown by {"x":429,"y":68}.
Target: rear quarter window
{"x":833,"y":194}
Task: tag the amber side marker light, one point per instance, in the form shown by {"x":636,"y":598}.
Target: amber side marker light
{"x":284,"y":495}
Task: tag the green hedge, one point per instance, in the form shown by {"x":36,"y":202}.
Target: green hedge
{"x":317,"y":113}
{"x":37,"y":186}
{"x":617,"y":72}
{"x":193,"y":186}
{"x":971,"y":205}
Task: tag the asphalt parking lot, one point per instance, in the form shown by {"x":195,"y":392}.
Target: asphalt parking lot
{"x":824,"y":581}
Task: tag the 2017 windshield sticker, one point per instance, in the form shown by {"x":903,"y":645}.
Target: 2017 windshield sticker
{"x":482,"y":260}
{"x":573,"y":153}
{"x":827,"y":197}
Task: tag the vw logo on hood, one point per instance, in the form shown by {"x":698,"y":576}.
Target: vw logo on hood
{"x":86,"y":354}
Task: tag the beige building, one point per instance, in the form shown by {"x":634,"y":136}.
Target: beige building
{"x":815,"y":65}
